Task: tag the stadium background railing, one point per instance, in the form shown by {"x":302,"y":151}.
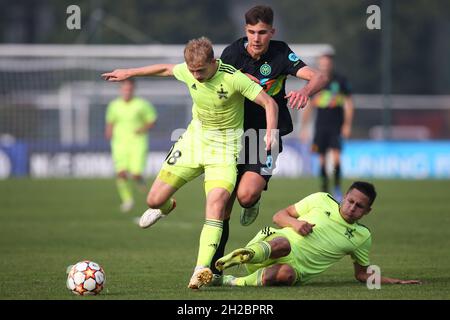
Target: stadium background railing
{"x":53,"y":102}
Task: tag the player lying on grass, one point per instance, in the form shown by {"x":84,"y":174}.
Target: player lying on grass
{"x":315,"y":233}
{"x":210,"y":144}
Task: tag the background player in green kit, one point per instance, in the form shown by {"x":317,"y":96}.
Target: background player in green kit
{"x":316,"y":233}
{"x":128,"y":120}
{"x":210,"y":144}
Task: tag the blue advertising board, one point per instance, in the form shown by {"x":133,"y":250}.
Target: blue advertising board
{"x":360,"y":159}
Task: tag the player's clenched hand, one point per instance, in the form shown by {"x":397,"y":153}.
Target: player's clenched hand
{"x":297,"y":99}
{"x":116,"y":75}
{"x":304,"y":227}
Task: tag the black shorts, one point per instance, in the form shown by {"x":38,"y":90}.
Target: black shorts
{"x":249,"y":161}
{"x":326,"y":139}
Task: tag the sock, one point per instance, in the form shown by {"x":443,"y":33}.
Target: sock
{"x":254,"y":279}
{"x":168,"y":206}
{"x":209,"y":241}
{"x":324,"y":178}
{"x":125,"y":192}
{"x":220,"y":252}
{"x":262,"y":251}
{"x":337,"y":176}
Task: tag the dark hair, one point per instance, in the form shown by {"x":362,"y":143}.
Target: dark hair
{"x":259,"y":13}
{"x":365,"y":187}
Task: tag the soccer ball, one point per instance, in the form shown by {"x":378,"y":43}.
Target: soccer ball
{"x":85,"y":278}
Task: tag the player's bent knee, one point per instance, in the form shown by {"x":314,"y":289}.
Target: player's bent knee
{"x":248,"y":197}
{"x":280,"y":247}
{"x":279,"y":275}
{"x":286,"y":275}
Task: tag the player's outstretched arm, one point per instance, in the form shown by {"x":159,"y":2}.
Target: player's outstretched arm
{"x":316,"y":82}
{"x":271,"y":107}
{"x":361,"y":275}
{"x":161,"y":70}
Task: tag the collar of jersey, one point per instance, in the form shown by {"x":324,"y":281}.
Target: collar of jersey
{"x":339,"y":218}
{"x":219,"y":63}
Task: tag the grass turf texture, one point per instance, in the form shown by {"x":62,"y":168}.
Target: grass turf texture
{"x":46,"y":225}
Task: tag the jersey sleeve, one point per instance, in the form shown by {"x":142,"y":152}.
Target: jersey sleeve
{"x":180,"y":72}
{"x":304,"y":206}
{"x":361,"y":254}
{"x":110,"y":113}
{"x":245,"y":86}
{"x":228,"y":55}
{"x":292,"y":62}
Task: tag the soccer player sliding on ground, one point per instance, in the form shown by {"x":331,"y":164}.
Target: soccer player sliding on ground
{"x":314,"y":234}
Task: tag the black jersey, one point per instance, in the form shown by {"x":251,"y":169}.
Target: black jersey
{"x":330,"y":104}
{"x":272,"y":70}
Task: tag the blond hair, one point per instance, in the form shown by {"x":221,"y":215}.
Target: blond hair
{"x":198,"y":51}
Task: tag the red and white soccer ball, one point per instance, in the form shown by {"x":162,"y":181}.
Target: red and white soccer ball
{"x":86,"y":278}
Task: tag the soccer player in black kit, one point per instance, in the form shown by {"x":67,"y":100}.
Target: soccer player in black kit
{"x":267,"y":62}
{"x":335,"y":107}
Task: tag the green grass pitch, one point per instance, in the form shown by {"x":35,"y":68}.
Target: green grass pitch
{"x":46,"y":225}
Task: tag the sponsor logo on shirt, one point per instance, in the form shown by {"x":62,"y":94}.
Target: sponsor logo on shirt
{"x":293,"y":57}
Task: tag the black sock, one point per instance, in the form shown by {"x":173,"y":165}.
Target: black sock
{"x":220,"y":252}
{"x":337,"y":176}
{"x":324,"y":178}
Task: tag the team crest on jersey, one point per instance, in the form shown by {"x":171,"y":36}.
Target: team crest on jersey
{"x":222,"y":94}
{"x":349,"y":232}
{"x":265,"y":69}
{"x":293,"y":57}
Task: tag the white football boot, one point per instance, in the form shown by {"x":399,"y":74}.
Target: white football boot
{"x":150,"y":217}
{"x":202,"y":276}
